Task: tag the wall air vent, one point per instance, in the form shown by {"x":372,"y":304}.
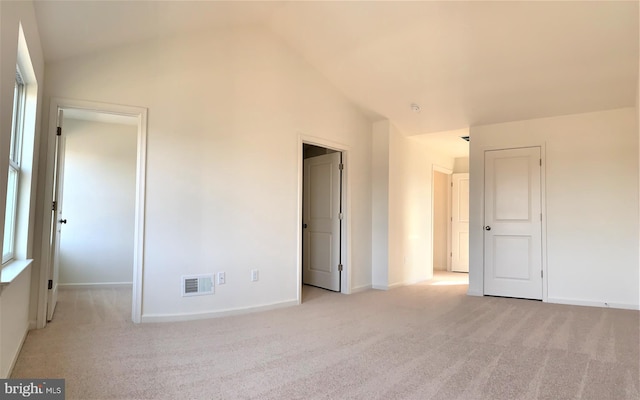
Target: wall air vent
{"x":197,"y":285}
{"x":464,"y":138}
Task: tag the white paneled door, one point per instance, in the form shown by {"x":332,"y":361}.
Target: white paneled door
{"x":513,"y":223}
{"x":321,"y":221}
{"x":56,"y":219}
{"x":460,"y":223}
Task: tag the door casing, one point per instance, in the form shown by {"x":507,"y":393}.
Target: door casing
{"x":45,"y":255}
{"x":345,"y":234}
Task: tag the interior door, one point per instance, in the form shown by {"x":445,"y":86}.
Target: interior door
{"x":460,"y":223}
{"x":321,"y":221}
{"x":513,"y":223}
{"x":56,"y":219}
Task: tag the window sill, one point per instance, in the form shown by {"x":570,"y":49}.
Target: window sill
{"x":11,"y":271}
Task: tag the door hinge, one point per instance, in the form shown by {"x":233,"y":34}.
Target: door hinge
{"x":340,"y":216}
{"x":50,"y":284}
{"x":541,"y":162}
{"x":340,"y":267}
{"x":541,"y":274}
{"x":54,"y":206}
{"x":341,"y":166}
{"x":59,"y":131}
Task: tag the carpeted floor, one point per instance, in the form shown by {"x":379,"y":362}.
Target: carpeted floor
{"x":426,"y":341}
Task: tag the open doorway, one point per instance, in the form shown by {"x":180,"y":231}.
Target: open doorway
{"x":449,"y":244}
{"x":322,"y":217}
{"x":98,"y":200}
{"x":450,"y":195}
{"x":441,"y":219}
{"x":96,"y":180}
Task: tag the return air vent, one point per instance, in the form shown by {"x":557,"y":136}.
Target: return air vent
{"x":197,"y":285}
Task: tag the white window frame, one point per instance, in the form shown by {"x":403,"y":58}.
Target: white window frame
{"x":15,"y":156}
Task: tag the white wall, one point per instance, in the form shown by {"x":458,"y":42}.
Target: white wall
{"x":14,"y":316}
{"x":440,"y":220}
{"x":96,"y":244}
{"x":408,"y":212}
{"x":591,"y":203}
{"x":225,"y":111}
{"x":461,"y":165}
{"x":380,"y":205}
{"x":14,"y":299}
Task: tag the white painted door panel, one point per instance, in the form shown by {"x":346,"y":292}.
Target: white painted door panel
{"x":460,"y":223}
{"x":56,"y":220}
{"x":513,"y":227}
{"x":321,"y":219}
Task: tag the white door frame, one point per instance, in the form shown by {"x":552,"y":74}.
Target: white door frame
{"x":438,"y":168}
{"x":345,"y":240}
{"x":138,"y":261}
{"x":543,"y":205}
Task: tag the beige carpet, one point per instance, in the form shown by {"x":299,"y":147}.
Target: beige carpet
{"x":427,"y":341}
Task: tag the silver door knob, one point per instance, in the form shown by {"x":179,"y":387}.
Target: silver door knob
{"x":487,"y":228}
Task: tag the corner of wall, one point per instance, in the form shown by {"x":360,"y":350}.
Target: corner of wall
{"x":380,"y":204}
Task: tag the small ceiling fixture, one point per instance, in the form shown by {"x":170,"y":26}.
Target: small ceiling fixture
{"x":415,"y":107}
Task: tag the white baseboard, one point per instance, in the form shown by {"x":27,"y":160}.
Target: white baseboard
{"x":591,"y":303}
{"x":399,"y":284}
{"x":360,"y":289}
{"x":146,"y":318}
{"x":380,"y":287}
{"x":102,"y":285}
{"x":395,"y":285}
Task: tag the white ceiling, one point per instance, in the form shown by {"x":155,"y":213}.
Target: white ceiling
{"x":449,"y":143}
{"x":464,"y":63}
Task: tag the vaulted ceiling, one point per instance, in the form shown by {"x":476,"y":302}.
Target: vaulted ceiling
{"x":463,"y":63}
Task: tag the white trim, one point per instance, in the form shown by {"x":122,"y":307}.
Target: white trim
{"x":138,"y":262}
{"x":360,"y":289}
{"x":216,"y":314}
{"x":345,"y":278}
{"x":11,"y":270}
{"x":591,"y":303}
{"x":101,"y":285}
{"x":438,"y":168}
{"x":401,"y":284}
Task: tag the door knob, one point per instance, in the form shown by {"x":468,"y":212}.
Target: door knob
{"x":62,"y":221}
{"x":487,"y":228}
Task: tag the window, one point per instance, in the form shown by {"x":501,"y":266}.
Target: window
{"x":15,"y":151}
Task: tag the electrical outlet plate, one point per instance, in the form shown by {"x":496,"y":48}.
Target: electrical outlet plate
{"x":254,"y":275}
{"x":221,"y":278}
